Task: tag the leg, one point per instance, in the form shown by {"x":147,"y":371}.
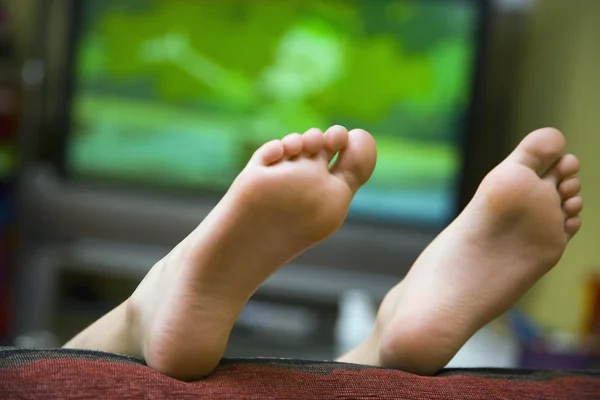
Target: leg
{"x":514,"y":230}
{"x":111,"y":333}
{"x":287,"y":199}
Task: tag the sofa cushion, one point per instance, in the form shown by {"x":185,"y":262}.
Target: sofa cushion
{"x":68,"y":373}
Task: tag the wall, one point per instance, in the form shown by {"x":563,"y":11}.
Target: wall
{"x":560,"y":86}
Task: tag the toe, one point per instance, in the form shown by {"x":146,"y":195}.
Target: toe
{"x":540,"y":149}
{"x":356,"y":161}
{"x":573,"y":206}
{"x":569,"y":187}
{"x":269,"y":153}
{"x":335,"y":138}
{"x":292,"y":144}
{"x":312,"y":141}
{"x":565,"y":167}
{"x":572,"y":226}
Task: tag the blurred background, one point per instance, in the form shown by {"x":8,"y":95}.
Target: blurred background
{"x":123,"y":122}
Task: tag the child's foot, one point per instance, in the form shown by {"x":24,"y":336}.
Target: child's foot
{"x":287,"y":199}
{"x":514,"y":230}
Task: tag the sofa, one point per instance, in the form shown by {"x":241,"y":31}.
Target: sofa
{"x":82,"y":374}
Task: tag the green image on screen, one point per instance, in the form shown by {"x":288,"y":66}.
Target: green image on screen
{"x":179,"y":94}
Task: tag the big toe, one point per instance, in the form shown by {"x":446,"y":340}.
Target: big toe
{"x":356,"y":161}
{"x":540,"y":149}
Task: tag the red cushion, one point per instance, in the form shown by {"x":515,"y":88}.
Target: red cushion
{"x":61,"y":373}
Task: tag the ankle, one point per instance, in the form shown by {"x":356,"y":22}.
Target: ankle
{"x":130,"y":331}
{"x":112,"y":333}
{"x":366,"y":353}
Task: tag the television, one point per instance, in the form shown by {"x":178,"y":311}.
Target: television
{"x":176,"y":95}
{"x":150,"y":108}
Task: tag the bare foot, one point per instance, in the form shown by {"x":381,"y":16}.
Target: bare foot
{"x":287,"y":199}
{"x":514,"y":230}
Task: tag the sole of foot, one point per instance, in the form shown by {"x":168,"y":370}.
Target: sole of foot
{"x":287,"y":199}
{"x":514,"y":230}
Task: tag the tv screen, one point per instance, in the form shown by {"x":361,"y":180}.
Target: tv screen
{"x":179,"y":94}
